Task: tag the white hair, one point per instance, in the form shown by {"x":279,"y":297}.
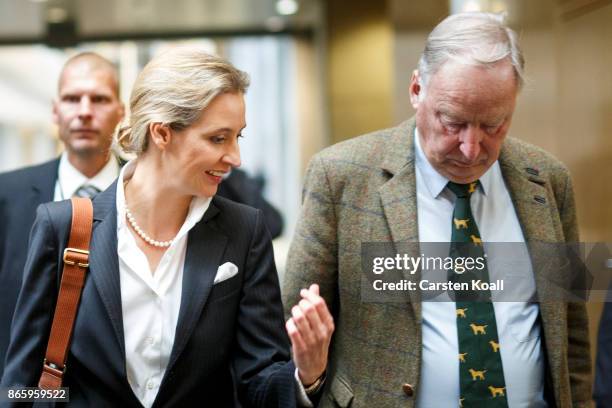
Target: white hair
{"x":174,"y":88}
{"x":474,"y":38}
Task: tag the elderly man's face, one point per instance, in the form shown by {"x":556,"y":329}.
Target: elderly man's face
{"x":87,"y":110}
{"x":464,"y":117}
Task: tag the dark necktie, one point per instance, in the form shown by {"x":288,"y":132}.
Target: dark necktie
{"x":86,"y":190}
{"x":481,"y":374}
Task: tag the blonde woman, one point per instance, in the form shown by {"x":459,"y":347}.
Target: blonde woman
{"x":181,"y":304}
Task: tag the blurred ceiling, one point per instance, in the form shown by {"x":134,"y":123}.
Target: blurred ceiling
{"x":71,"y":21}
{"x":67,"y":22}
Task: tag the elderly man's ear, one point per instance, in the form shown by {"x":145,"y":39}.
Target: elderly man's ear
{"x":415,"y":89}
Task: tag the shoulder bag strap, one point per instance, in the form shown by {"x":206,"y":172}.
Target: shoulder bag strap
{"x":76,"y":262}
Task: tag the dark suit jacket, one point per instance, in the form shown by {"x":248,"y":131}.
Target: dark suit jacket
{"x":235,"y":327}
{"x":239,"y":187}
{"x":21,"y":191}
{"x":603,"y":372}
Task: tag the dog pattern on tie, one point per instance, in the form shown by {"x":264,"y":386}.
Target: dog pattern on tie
{"x":481,"y":375}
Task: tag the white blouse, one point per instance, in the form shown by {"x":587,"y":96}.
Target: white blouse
{"x":150,"y":301}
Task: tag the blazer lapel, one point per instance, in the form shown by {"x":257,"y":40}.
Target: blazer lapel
{"x":534,"y":206}
{"x":205,"y":246}
{"x":398,"y":197}
{"x":43,"y":185}
{"x":104,"y":260}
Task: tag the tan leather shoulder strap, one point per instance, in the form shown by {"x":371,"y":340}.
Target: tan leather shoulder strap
{"x":76,"y":262}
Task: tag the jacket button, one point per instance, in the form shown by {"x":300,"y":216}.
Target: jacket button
{"x":408,"y":390}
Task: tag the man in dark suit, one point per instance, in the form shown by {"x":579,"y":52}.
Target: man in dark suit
{"x":603,"y":371}
{"x":86,"y":112}
{"x":239,"y":187}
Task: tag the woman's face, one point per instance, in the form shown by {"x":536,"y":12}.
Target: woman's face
{"x":202,"y":153}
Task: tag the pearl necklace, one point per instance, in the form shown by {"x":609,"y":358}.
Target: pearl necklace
{"x":142,"y":234}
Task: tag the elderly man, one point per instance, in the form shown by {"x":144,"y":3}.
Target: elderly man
{"x":452,"y":161}
{"x":86,"y":112}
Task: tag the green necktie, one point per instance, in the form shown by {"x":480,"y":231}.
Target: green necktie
{"x":481,"y":375}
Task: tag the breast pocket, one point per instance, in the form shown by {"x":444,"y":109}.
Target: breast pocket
{"x":226,"y":289}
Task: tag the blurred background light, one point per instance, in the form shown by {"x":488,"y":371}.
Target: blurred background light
{"x":57,"y":15}
{"x":275,"y":24}
{"x":287,"y":7}
{"x":492,"y":6}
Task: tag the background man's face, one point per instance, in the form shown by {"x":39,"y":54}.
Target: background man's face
{"x":464,"y":117}
{"x":87,"y":110}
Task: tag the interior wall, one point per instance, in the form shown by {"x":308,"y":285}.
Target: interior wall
{"x":412,"y":23}
{"x":584,"y":113}
{"x":359,"y":67}
{"x":534,"y":118}
{"x":584,"y":117}
{"x":408,"y":45}
{"x":311,"y":121}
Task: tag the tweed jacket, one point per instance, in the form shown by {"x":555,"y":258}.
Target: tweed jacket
{"x":364,"y":190}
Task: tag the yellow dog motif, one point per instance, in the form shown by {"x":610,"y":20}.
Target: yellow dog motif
{"x":495,"y":391}
{"x":478,"y":328}
{"x":494,"y":345}
{"x":462,"y":357}
{"x":460,"y":223}
{"x":477,"y":374}
{"x":461,"y":312}
{"x":476,"y":240}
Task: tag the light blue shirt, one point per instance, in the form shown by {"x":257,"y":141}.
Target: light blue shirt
{"x":517,"y":322}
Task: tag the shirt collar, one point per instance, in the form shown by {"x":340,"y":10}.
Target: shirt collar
{"x":435,"y":182}
{"x":71,"y":179}
{"x":197,"y":208}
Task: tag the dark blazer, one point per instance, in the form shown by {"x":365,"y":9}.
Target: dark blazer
{"x":235,"y":327}
{"x":603,"y":371}
{"x":239,"y":187}
{"x":21,"y":191}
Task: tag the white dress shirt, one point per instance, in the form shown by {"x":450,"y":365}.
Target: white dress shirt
{"x":150,"y":300}
{"x":517,"y":322}
{"x":69,"y":179}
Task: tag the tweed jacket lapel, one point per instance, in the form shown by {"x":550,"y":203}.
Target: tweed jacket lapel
{"x":535,"y":206}
{"x":399,"y":193}
{"x":398,"y":196}
{"x":532,"y":198}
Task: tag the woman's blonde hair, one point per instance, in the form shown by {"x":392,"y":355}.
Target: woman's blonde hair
{"x":174,"y":88}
